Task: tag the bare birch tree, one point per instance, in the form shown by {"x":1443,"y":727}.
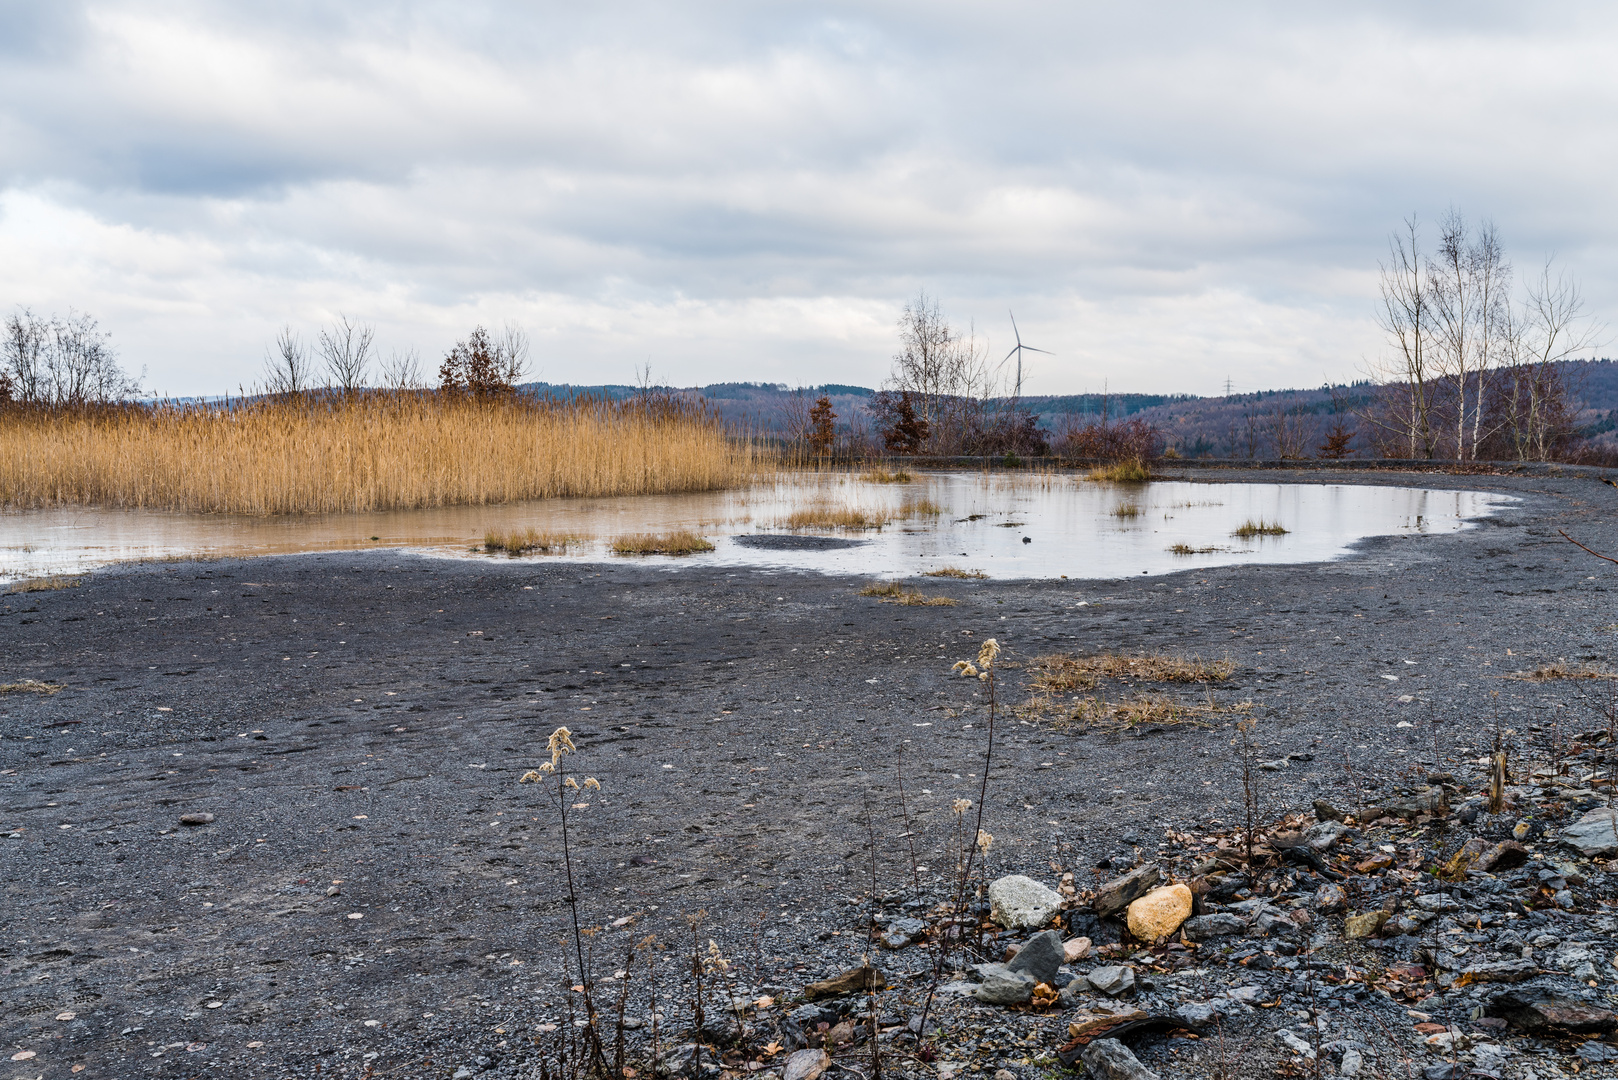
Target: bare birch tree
{"x":1405,"y":317}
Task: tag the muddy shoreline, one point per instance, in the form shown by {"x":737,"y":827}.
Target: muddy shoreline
{"x":358,"y":722}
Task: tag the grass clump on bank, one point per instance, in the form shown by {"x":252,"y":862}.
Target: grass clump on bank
{"x":892,"y":592}
{"x":1139,"y":711}
{"x":1562,"y":670}
{"x":1064,"y":674}
{"x":679,"y":542}
{"x":365,"y":451}
{"x":1133,"y":471}
{"x":1250,"y":528}
{"x":518,"y":543}
{"x":955,"y":572}
{"x":32,"y":686}
{"x":44,"y":584}
{"x":880,"y":475}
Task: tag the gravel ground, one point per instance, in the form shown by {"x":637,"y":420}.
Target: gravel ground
{"x":377,"y":895}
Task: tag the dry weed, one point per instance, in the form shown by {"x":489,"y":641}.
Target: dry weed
{"x":880,"y":475}
{"x":955,"y":572}
{"x":44,"y":584}
{"x":1064,"y":674}
{"x":1126,"y":510}
{"x":892,"y":592}
{"x":1187,"y":549}
{"x":680,"y":542}
{"x":31,"y":686}
{"x":919,"y":508}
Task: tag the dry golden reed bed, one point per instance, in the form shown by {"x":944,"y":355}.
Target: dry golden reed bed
{"x":373,"y":451}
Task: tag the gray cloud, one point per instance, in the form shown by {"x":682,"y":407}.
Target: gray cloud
{"x":1166,"y":195}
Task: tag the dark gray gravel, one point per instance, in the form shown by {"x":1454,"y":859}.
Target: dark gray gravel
{"x":358,"y":722}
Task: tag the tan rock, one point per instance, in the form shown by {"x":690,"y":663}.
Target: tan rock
{"x":1075,"y":949}
{"x":1088,"y":1023}
{"x":1364,"y":924}
{"x":1160,"y":912}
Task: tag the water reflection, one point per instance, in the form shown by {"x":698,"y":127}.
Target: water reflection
{"x":1003,"y":526}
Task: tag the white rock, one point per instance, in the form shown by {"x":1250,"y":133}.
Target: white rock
{"x":1021,"y":903}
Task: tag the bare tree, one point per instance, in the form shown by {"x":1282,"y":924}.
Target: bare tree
{"x":512,"y":350}
{"x":1409,"y":405}
{"x":945,"y":375}
{"x":347,"y":349}
{"x":62,"y":362}
{"x":1467,"y":291}
{"x":1292,"y":430}
{"x":287,"y":367}
{"x":1541,"y":334}
{"x":401,"y":370}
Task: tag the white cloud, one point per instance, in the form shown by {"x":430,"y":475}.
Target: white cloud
{"x":1167,"y":196}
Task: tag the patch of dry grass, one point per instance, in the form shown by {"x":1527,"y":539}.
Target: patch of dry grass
{"x":1187,"y":549}
{"x":955,"y":572}
{"x":881,"y":475}
{"x":44,"y":584}
{"x":1064,"y":674}
{"x":1133,"y":471}
{"x":892,"y":592}
{"x":924,"y":507}
{"x":1563,"y":670}
{"x":1126,"y":510}
{"x":31,"y":686}
{"x":1139,"y":710}
{"x":827,"y":516}
{"x":371,"y":451}
{"x":1250,"y":528}
{"x":517,"y":543}
{"x":679,"y":542}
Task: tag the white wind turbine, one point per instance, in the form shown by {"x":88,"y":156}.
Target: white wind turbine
{"x":1018,"y":350}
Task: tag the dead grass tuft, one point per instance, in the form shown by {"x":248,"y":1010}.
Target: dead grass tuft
{"x":31,"y":686}
{"x":1126,"y":510}
{"x":1187,"y":549}
{"x":892,"y":592}
{"x":955,"y":572}
{"x":1064,"y":674}
{"x":1562,"y":670}
{"x":44,"y":584}
{"x":517,"y":543}
{"x":1138,"y":711}
{"x":880,"y":475}
{"x":826,"y":516}
{"x":920,"y":508}
{"x":1250,"y":528}
{"x":681,"y":542}
{"x":1133,"y":471}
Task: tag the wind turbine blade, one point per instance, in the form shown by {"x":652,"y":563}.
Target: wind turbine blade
{"x":1047,"y":352}
{"x":1009,"y":354}
{"x":1014,"y":329}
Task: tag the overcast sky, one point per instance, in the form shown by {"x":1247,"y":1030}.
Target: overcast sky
{"x":1167,"y":195}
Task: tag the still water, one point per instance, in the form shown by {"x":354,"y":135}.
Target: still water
{"x":1002,"y":526}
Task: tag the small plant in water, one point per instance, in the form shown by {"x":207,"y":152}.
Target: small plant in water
{"x":1250,"y":528}
{"x":1133,"y":471}
{"x":1126,"y":510}
{"x":955,"y":572}
{"x":681,"y":542}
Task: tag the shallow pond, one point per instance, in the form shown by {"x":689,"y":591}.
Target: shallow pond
{"x":999,"y":526}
